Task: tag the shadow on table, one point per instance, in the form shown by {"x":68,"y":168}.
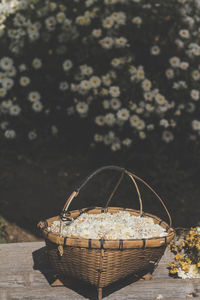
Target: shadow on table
{"x":41,"y":263}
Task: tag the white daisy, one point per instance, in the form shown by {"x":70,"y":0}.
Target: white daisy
{"x":12,"y":72}
{"x":115,"y":146}
{"x":150,"y":127}
{"x":194,"y":94}
{"x":110,"y":119}
{"x":85,"y":85}
{"x":33,"y":28}
{"x":106,"y":80}
{"x":132,"y":69}
{"x":82,"y":108}
{"x":34,"y":96}
{"x":172,"y":123}
{"x":22,"y":67}
{"x":134,"y":120}
{"x":67,"y":65}
{"x":6,"y":104}
{"x":167,"y":136}
{"x":60,"y":17}
{"x":6,"y":63}
{"x":196,"y":74}
{"x":98,"y":138}
{"x":14,"y":110}
{"x":127,"y":142}
{"x":142,"y":135}
{"x":114,"y":91}
{"x":3,"y":92}
{"x":115,"y":103}
{"x":10,"y":134}
{"x":33,"y":36}
{"x":123,"y":114}
{"x":160,"y":99}
{"x":132,"y":105}
{"x":96,"y":33}
{"x":107,"y":42}
{"x":174,"y":61}
{"x":50,"y":23}
{"x":32,"y":135}
{"x":37,"y":106}
{"x":4,"y":125}
{"x":115,"y":62}
{"x":82,"y":20}
{"x":139,"y":110}
{"x":184,"y":65}
{"x":37,"y":63}
{"x":140,"y":125}
{"x":184,"y":33}
{"x":100,"y":120}
{"x":106,"y":104}
{"x":2,"y":76}
{"x":155,"y":50}
{"x":146,"y":85}
{"x":179,"y":43}
{"x":108,"y":22}
{"x":164,"y":123}
{"x":149,"y":107}
{"x":137,"y":21}
{"x":7,"y":83}
{"x":107,"y":139}
{"x":121,"y":42}
{"x":86,"y":70}
{"x":95,"y":81}
{"x":119,"y":17}
{"x":63,"y":86}
{"x":140,"y":73}
{"x":148,"y":96}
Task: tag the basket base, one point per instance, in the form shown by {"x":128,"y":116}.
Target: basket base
{"x":58,"y":283}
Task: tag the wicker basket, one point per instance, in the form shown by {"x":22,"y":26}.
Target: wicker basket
{"x":102,"y":262}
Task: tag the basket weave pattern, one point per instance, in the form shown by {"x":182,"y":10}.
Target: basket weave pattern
{"x":84,"y":263}
{"x":102,"y":262}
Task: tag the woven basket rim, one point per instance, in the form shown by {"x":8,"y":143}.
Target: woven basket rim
{"x":106,"y":243}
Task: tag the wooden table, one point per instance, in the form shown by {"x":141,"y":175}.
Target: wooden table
{"x":25,"y":274}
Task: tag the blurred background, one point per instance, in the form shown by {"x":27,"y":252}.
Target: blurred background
{"x":90,"y":83}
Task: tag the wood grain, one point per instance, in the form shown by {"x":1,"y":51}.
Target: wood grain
{"x":25,"y":274}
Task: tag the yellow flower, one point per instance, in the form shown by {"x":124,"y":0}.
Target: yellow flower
{"x":174,"y":271}
{"x":183,"y":244}
{"x":178,"y":256}
{"x":185,"y":268}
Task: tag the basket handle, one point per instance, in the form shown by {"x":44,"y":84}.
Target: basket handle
{"x":123,"y":171}
{"x":85,"y":181}
{"x":152,"y":190}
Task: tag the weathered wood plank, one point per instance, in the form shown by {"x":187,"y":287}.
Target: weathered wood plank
{"x":148,"y":291}
{"x":25,"y":273}
{"x":21,"y":256}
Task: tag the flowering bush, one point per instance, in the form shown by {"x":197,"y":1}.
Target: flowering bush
{"x":187,"y":256}
{"x":131,"y":67}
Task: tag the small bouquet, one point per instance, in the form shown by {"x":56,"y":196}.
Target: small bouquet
{"x":187,"y":255}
